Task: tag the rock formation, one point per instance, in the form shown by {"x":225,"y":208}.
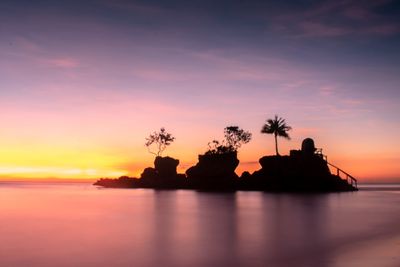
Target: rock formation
{"x":214,"y":172}
{"x":302,"y":171}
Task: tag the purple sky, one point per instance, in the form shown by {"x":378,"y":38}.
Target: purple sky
{"x":91,"y":80}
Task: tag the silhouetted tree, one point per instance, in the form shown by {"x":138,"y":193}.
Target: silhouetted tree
{"x":215,"y":147}
{"x":160,"y":139}
{"x":234,"y":138}
{"x":278,"y":127}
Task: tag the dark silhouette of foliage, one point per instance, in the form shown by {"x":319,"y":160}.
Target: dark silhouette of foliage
{"x":234,"y":138}
{"x":215,"y":147}
{"x":160,"y":139}
{"x":277,"y":127}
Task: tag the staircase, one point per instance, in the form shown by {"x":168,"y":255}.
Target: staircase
{"x":339,"y":172}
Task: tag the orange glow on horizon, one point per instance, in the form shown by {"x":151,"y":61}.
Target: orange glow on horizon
{"x":71,"y":150}
{"x":94,"y":166}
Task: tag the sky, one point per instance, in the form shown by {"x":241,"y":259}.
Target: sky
{"x":83,"y":83}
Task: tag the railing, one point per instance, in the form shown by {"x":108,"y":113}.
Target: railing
{"x":350,"y":179}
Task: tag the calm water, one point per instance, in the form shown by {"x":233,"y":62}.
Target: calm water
{"x":81,"y":225}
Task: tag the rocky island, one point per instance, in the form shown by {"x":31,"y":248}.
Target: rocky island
{"x":298,"y":172}
{"x":304,"y":170}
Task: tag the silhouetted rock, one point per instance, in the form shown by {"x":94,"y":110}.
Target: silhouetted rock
{"x":121,"y":182}
{"x":163,"y":175}
{"x":214,"y":172}
{"x":148,"y":173}
{"x":166,"y":166}
{"x":245,"y":175}
{"x":303,"y":171}
{"x":149,"y":178}
{"x":300,"y":172}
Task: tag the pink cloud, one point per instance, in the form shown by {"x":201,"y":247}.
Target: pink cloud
{"x":307,"y":131}
{"x":26,"y":44}
{"x":353,"y":102}
{"x":336,"y":18}
{"x":249,"y":69}
{"x":320,"y":29}
{"x":135,"y":7}
{"x":248,"y":73}
{"x":160,"y":74}
{"x":327,"y":90}
{"x":63,"y":62}
{"x":358,"y":13}
{"x":295,"y":84}
{"x":384,"y":29}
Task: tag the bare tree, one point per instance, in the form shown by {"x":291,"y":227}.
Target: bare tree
{"x":160,"y":140}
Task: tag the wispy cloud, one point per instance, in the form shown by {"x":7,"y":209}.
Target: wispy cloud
{"x":161,"y":74}
{"x":21,"y":47}
{"x":63,"y":62}
{"x":327,"y":90}
{"x":130,"y":6}
{"x":307,"y":131}
{"x":246,"y":68}
{"x":310,"y":29}
{"x":25,"y":44}
{"x":384,"y":29}
{"x":337,"y":18}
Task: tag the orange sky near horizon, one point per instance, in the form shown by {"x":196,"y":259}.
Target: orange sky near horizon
{"x":105,"y":138}
{"x":77,"y":158}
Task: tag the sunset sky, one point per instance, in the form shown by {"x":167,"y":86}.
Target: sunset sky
{"x":82,"y":83}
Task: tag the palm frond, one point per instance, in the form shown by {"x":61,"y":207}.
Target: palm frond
{"x":276,"y":126}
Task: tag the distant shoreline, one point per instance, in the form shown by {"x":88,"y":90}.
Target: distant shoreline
{"x":362,"y":185}
{"x":46,"y":180}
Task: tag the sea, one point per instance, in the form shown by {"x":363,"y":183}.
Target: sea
{"x":78,"y":224}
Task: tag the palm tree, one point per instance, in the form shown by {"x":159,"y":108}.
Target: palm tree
{"x":278,"y":127}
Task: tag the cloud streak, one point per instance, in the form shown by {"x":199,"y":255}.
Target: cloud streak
{"x":63,"y":62}
{"x":337,"y":18}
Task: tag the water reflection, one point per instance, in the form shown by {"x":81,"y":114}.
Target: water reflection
{"x":299,"y":227}
{"x":187,"y":231}
{"x":82,"y":226}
